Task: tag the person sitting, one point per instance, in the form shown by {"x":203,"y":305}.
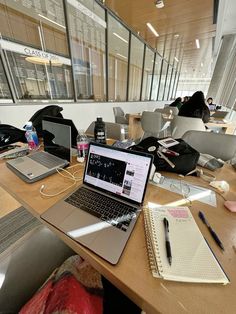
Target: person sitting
{"x":177,"y":103}
{"x":211,"y":106}
{"x":195,"y":107}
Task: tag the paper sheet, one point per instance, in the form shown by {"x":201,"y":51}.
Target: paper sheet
{"x":194,"y":192}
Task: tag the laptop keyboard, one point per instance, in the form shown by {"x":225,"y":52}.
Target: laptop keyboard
{"x":49,"y":161}
{"x":104,"y":208}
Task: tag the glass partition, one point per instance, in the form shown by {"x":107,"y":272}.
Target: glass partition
{"x":4,"y":88}
{"x":135,"y":70}
{"x":162,"y":80}
{"x":87,"y":27}
{"x":35,"y":43}
{"x":118,"y":39}
{"x":147,"y":74}
{"x":156,"y":77}
{"x":167,"y":84}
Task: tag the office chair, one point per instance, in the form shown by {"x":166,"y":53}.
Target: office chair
{"x":27,"y":264}
{"x":221,"y":146}
{"x":179,"y":125}
{"x":153,"y":124}
{"x":120,"y":116}
{"x":115,"y":131}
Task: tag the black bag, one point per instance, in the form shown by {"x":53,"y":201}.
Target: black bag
{"x":184,"y":163}
{"x":52,"y":110}
{"x":10,"y":134}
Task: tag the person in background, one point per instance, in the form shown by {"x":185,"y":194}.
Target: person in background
{"x":211,"y":106}
{"x":195,"y":107}
{"x":177,"y":103}
{"x":185,"y":99}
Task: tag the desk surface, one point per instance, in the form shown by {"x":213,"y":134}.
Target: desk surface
{"x":132,"y":274}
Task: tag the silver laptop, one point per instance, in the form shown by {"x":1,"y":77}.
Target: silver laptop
{"x":56,"y":154}
{"x":102,"y":212}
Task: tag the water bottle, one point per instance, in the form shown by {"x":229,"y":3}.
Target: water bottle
{"x":82,"y":146}
{"x":100,"y":131}
{"x":31,"y":136}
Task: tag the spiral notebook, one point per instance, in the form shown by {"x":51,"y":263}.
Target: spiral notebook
{"x":192,"y":259}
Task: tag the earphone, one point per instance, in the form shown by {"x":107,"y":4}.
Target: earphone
{"x":71,"y":176}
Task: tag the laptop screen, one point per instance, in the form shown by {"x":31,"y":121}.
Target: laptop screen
{"x":68,"y":122}
{"x":120,"y":172}
{"x":57,"y":139}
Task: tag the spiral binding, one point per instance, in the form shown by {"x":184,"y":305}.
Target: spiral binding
{"x":152,"y":244}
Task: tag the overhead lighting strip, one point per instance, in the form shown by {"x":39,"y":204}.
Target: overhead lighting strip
{"x":197,"y":43}
{"x":118,"y":54}
{"x":149,"y":25}
{"x":121,"y":38}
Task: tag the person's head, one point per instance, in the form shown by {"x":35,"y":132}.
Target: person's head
{"x":186,"y":98}
{"x":209,"y":100}
{"x":197,"y":97}
{"x":178,"y":99}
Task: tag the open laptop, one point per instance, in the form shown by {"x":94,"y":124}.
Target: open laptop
{"x":74,"y":131}
{"x":56,"y":154}
{"x":102,"y":212}
{"x":220,"y":115}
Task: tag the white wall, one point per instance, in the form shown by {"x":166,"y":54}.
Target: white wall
{"x":82,"y":114}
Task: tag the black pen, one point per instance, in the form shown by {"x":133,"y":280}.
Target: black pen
{"x":214,"y":235}
{"x":167,"y":240}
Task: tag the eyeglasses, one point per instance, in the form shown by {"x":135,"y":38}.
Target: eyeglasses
{"x":182,"y":188}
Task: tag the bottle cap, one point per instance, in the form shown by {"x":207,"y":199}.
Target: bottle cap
{"x":28,"y":124}
{"x":99,"y":119}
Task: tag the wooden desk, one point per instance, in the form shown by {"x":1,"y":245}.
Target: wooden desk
{"x":132,"y":274}
{"x":228,"y":127}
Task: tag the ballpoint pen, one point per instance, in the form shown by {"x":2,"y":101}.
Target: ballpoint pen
{"x":167,"y":240}
{"x":214,"y":235}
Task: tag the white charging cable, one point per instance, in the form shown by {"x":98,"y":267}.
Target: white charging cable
{"x":67,"y":175}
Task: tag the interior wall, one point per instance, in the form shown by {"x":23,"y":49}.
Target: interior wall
{"x":82,"y":114}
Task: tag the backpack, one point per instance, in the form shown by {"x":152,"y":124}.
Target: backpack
{"x":10,"y":134}
{"x":51,"y":110}
{"x":185,"y":162}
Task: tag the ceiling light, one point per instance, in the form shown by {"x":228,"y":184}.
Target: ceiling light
{"x":159,"y":4}
{"x":176,"y":59}
{"x":201,"y":64}
{"x":176,"y":35}
{"x":121,"y":38}
{"x":149,"y":25}
{"x":197,"y":43}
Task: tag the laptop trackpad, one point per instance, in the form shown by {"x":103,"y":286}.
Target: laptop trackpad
{"x":82,"y":226}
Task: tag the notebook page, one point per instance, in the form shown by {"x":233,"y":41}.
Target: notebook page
{"x":192,"y":259}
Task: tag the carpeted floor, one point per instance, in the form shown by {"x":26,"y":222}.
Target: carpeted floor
{"x":14,"y":225}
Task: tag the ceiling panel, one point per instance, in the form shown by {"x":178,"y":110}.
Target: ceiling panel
{"x":178,"y":24}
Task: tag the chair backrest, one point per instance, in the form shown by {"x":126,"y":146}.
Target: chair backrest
{"x":119,"y":115}
{"x":219,"y":145}
{"x":179,"y":125}
{"x":114,"y":130}
{"x":152,"y":123}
